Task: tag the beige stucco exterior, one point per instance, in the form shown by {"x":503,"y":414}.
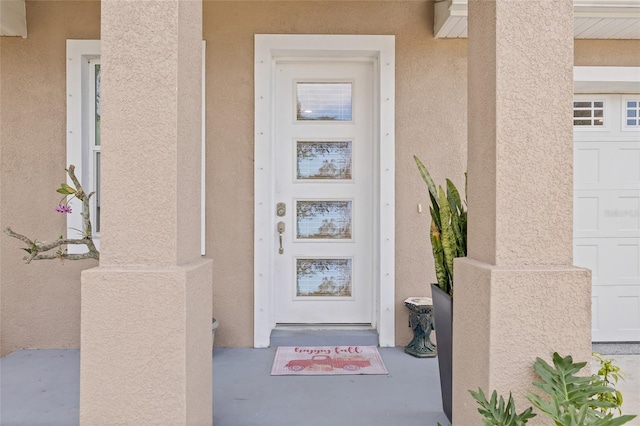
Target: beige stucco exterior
{"x":512,"y":291}
{"x":146,"y":310}
{"x":41,"y":302}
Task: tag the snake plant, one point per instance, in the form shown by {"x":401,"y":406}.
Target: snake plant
{"x":448,"y":227}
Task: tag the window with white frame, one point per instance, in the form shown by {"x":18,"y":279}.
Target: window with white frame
{"x":83,"y":127}
{"x":83,"y":133}
{"x":632,"y":113}
{"x":588,"y":113}
{"x":94,"y":142}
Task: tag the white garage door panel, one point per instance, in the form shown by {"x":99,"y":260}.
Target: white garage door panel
{"x":606,"y":164}
{"x":607,"y":216}
{"x":621,"y":324}
{"x":613,"y":261}
{"x":626,"y":163}
{"x":606,"y":213}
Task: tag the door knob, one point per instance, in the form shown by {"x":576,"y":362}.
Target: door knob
{"x":280,"y":232}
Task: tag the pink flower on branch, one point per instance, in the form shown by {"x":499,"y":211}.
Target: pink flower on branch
{"x":63,"y":208}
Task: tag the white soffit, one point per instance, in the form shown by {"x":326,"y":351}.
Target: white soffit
{"x":593,"y":19}
{"x":13,"y":18}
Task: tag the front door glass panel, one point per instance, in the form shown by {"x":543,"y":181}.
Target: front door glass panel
{"x":323,"y":277}
{"x":329,"y":101}
{"x":327,"y":160}
{"x":323,"y":220}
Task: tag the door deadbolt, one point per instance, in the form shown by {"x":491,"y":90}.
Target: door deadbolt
{"x":281,"y":209}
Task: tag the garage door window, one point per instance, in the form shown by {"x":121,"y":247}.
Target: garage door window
{"x":588,"y":113}
{"x":632,"y":113}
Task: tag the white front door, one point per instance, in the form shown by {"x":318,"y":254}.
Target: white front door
{"x":324,"y":146}
{"x":606,"y":210}
{"x":357,"y":258}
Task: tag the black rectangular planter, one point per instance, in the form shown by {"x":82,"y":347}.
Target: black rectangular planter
{"x":443,"y":319}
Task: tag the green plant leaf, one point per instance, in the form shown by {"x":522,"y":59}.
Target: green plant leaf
{"x":435,"y":211}
{"x":574,"y":399}
{"x":426,"y":177}
{"x":455,"y":205}
{"x":433,"y":193}
{"x":453,"y":196}
{"x":438,"y":257}
{"x":448,"y":237}
{"x":463,"y":231}
{"x":498,"y":413}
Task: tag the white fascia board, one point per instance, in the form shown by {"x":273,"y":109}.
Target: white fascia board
{"x":454,"y":7}
{"x":447,"y":13}
{"x":607,"y":8}
{"x":606,"y":79}
{"x":13,"y":18}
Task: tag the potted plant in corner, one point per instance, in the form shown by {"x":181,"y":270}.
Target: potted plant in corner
{"x":448,"y":233}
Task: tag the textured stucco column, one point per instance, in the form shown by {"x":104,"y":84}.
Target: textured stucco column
{"x":517,"y":295}
{"x":146,"y":310}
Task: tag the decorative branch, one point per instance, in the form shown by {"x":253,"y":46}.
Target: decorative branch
{"x":37,"y":250}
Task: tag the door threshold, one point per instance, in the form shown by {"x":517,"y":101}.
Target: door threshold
{"x":319,"y":336}
{"x":324,"y":327}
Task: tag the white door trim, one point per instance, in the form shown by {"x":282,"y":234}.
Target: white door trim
{"x":268,"y":48}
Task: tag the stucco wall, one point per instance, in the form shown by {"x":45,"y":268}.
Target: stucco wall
{"x":40,"y":302}
{"x":430,"y":122}
{"x":601,"y":53}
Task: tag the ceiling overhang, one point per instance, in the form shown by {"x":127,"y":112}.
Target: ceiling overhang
{"x":593,"y":19}
{"x":13,"y":18}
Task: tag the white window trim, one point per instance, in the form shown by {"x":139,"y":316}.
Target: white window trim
{"x":267,"y":49}
{"x":203,"y":157}
{"x":91,"y":175}
{"x":79,"y":53}
{"x":606,"y":107}
{"x":623,"y":107}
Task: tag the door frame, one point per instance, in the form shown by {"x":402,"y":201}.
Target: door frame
{"x":270,"y":48}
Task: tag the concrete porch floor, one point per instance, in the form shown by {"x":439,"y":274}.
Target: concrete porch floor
{"x":41,"y":387}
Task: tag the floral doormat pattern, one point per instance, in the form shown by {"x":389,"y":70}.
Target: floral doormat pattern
{"x":327,"y":360}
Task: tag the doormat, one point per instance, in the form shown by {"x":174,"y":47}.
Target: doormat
{"x":327,"y":360}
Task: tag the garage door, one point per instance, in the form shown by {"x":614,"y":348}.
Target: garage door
{"x":606,"y":210}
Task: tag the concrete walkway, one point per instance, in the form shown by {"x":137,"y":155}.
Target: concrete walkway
{"x":40,"y":387}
